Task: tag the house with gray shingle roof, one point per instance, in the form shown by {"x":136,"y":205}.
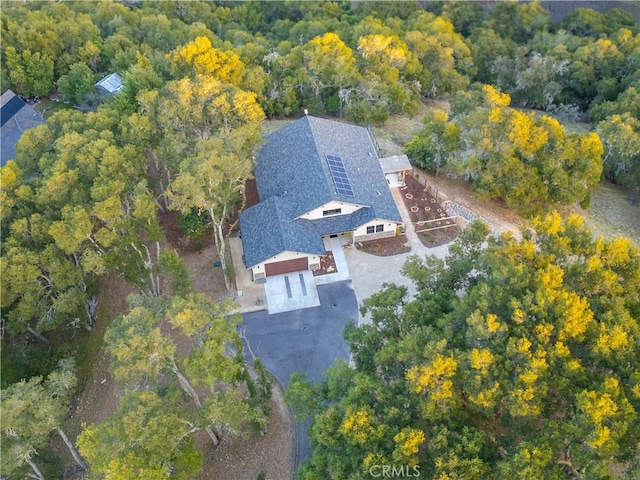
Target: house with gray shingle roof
{"x":16,"y":116}
{"x":315,"y":178}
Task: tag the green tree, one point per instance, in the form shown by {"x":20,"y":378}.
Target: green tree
{"x":31,"y":74}
{"x":142,"y":356}
{"x":445,"y":58}
{"x":586,"y":22}
{"x":627,"y":102}
{"x":489,"y":51}
{"x":620,"y":135}
{"x":47,"y":33}
{"x":80,"y":208}
{"x":537,"y":84}
{"x":518,"y":21}
{"x":434,"y":144}
{"x":77,"y":83}
{"x":465,"y":16}
{"x":514,"y":358}
{"x":31,"y":411}
{"x":209,"y":134}
{"x":144,"y":438}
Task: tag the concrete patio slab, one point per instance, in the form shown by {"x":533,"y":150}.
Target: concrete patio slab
{"x":392,"y":180}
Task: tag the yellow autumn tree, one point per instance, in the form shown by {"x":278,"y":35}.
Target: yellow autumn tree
{"x":200,"y":57}
{"x":607,"y":412}
{"x":330,"y":63}
{"x":360,"y":426}
{"x":386,"y":56}
{"x":408,"y":442}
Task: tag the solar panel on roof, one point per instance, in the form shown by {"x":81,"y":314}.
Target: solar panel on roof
{"x":339,"y":175}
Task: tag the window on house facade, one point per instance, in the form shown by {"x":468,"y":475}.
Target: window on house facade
{"x":370,"y":229}
{"x":334,"y":211}
{"x":379,"y":228}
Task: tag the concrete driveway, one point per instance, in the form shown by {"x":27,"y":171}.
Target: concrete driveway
{"x":308,"y":340}
{"x":368,"y":272}
{"x":291,"y":291}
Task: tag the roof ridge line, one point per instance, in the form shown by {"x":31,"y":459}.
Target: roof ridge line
{"x":313,"y":136}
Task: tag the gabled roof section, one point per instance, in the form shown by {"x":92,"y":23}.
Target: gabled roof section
{"x":396,"y":163}
{"x":268,"y":229}
{"x":16,"y":116}
{"x":288,"y":165}
{"x":334,"y":224}
{"x":10,"y":104}
{"x":111,"y":83}
{"x":293,"y":164}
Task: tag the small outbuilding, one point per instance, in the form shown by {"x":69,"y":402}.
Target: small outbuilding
{"x":395,"y":168}
{"x":110,"y":85}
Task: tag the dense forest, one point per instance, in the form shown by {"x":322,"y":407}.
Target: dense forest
{"x":82,"y":200}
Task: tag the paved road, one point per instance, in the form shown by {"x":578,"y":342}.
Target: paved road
{"x":308,"y":340}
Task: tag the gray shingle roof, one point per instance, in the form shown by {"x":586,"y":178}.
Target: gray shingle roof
{"x":17,"y":117}
{"x":293,"y":164}
{"x":330,"y":225}
{"x":293,"y":178}
{"x":268,"y":229}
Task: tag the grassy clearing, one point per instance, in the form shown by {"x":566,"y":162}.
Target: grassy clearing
{"x":48,"y":107}
{"x":270,"y":126}
{"x":398,"y":130}
{"x":611,"y":213}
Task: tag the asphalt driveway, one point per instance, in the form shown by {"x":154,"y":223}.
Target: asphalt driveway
{"x":308,"y":340}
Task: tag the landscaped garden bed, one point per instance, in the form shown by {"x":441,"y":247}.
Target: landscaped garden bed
{"x":384,"y":247}
{"x":430,"y":219}
{"x":327,"y":265}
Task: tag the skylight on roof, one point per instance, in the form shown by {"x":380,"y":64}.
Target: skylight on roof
{"x":339,"y":174}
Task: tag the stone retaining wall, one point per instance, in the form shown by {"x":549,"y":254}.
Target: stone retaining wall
{"x":374,"y":236}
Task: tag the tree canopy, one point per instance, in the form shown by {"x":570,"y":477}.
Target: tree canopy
{"x":223,"y":399}
{"x":81,"y":199}
{"x":32,"y":410}
{"x":518,"y":359}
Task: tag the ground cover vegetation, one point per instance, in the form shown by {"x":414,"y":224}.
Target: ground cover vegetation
{"x":82,"y":199}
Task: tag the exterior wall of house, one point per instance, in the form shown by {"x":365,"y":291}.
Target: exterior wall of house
{"x":259,"y":270}
{"x":346,"y":209}
{"x":389,"y":230}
